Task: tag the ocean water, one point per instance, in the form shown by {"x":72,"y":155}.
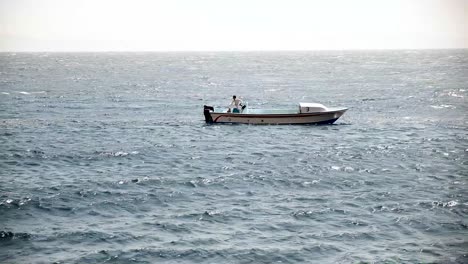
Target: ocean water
{"x":105,"y":158}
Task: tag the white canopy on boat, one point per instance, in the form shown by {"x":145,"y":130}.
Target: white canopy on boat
{"x":312,"y":108}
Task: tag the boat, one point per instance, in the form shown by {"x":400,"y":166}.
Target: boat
{"x":305,"y":113}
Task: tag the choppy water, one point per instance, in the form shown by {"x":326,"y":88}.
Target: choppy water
{"x":105,"y":158}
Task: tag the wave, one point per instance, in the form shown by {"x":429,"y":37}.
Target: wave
{"x":8,"y":235}
{"x":197,"y":254}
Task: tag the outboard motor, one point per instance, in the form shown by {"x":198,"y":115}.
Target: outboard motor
{"x":206,"y":112}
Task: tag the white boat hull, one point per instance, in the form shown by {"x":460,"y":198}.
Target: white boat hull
{"x":328,"y":117}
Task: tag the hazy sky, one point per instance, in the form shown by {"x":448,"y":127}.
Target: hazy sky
{"x":160,"y":25}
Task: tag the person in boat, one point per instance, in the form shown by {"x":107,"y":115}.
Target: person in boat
{"x":236,"y":105}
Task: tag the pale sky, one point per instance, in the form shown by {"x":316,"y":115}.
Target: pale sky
{"x":214,"y":25}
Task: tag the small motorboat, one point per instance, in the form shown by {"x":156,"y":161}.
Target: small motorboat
{"x":306,"y":113}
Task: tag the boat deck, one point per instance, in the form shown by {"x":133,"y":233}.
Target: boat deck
{"x":270,"y":111}
{"x":278,"y":111}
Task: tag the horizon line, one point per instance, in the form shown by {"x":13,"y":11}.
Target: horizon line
{"x":222,"y":50}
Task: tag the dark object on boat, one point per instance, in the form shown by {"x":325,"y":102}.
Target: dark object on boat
{"x":206,"y":112}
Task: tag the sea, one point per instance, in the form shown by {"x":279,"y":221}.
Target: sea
{"x":106,"y":158}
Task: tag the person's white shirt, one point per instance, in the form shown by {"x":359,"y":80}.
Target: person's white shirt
{"x":236,"y":103}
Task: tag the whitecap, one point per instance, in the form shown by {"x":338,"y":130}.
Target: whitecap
{"x":455,"y":95}
{"x":24,"y":93}
{"x":335,"y":168}
{"x":307,"y":183}
{"x":5,"y":93}
{"x":271,"y":90}
{"x":120,"y":154}
{"x":211,"y":213}
{"x":452,"y":203}
{"x":24,"y":201}
{"x":206,"y":181}
{"x":442,"y":106}
{"x":445,"y":204}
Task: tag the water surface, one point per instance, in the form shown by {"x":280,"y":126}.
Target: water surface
{"x":105,"y":158}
